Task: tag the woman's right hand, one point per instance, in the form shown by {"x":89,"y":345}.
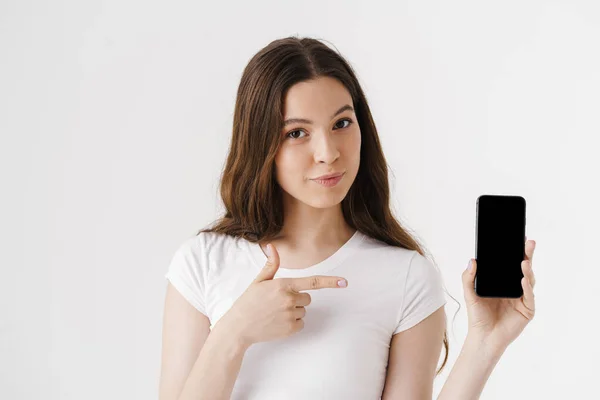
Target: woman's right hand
{"x":273,"y":308}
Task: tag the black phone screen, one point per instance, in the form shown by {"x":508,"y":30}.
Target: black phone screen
{"x":499,"y":245}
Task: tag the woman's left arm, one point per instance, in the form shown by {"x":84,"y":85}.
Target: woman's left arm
{"x":494,"y":323}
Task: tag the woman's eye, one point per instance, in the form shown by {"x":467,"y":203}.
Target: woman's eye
{"x":288,"y":135}
{"x":349,"y":121}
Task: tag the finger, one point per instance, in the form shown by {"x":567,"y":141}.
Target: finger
{"x":315,"y":282}
{"x":528,"y":296}
{"x":302,"y":299}
{"x":298,"y":325}
{"x":271,"y":266}
{"x":299,"y":312}
{"x":527,"y":269}
{"x":529,"y":249}
{"x":468,"y":278}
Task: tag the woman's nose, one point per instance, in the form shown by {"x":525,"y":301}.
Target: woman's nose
{"x":326,"y":148}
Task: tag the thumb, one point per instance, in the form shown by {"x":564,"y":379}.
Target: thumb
{"x":271,"y":266}
{"x":468,"y":278}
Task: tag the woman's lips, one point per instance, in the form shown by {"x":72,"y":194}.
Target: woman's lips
{"x":329,"y":182}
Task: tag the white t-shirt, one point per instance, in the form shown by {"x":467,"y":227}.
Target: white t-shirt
{"x":343,"y":350}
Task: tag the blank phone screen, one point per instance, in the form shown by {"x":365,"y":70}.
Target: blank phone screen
{"x":500,"y":245}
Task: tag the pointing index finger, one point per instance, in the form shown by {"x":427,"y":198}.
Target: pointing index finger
{"x":315,"y":282}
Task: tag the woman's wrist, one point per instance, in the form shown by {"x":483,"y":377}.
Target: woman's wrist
{"x":486,"y":345}
{"x":227,"y":328}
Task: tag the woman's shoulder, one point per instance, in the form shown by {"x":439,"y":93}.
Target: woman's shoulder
{"x":387,"y":252}
{"x":209,"y":247}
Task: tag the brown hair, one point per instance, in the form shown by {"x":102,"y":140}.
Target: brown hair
{"x":252,"y":197}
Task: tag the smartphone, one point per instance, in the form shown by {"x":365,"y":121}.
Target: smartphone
{"x":499,"y":245}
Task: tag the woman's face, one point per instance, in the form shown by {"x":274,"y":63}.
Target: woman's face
{"x":324,"y":144}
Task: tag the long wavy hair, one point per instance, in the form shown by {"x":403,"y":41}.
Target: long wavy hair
{"x":252,"y":198}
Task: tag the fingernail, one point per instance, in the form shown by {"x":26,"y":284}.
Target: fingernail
{"x":269,"y":250}
{"x":470,"y":265}
{"x":342,"y":283}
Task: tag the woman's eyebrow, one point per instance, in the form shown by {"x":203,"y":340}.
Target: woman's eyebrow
{"x":307,"y":121}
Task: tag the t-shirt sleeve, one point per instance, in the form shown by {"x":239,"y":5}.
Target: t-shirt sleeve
{"x":186,"y":274}
{"x":423,"y":293}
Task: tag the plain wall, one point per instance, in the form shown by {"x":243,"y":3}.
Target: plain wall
{"x":116,"y":117}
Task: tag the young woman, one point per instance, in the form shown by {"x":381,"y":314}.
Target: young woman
{"x":239,"y":322}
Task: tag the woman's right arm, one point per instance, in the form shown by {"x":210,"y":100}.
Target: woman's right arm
{"x":213,"y":372}
{"x":268,"y":309}
{"x":216,"y":368}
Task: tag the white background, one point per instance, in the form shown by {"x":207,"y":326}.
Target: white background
{"x":116,"y":117}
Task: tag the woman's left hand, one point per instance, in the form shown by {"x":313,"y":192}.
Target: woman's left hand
{"x":499,"y":321}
